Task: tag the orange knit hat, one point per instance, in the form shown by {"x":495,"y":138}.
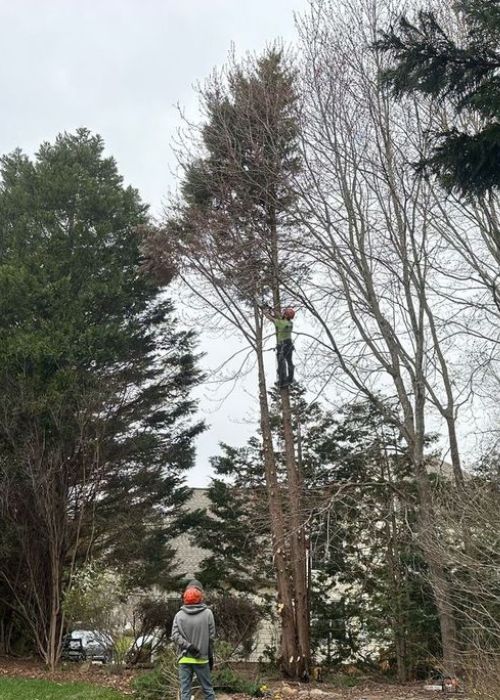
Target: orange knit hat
{"x":192,"y":596}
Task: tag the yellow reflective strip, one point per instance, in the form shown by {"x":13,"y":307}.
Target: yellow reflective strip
{"x":191,"y":660}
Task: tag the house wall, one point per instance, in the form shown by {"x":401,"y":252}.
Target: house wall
{"x":188,"y":562}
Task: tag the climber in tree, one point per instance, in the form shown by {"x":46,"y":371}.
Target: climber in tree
{"x":284,"y":348}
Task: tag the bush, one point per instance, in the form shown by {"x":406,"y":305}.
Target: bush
{"x":483,"y":676}
{"x":121,"y":648}
{"x":160,"y":684}
{"x":228,"y":681}
{"x":237,"y":621}
{"x":92,"y":600}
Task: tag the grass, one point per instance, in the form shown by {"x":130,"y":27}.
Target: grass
{"x":24,"y":689}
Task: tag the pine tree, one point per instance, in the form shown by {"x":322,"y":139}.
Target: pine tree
{"x":359,"y":499}
{"x":96,"y":426}
{"x":235,"y":531}
{"x":463,"y":72}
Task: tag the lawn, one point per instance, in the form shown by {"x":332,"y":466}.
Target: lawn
{"x":25,"y":689}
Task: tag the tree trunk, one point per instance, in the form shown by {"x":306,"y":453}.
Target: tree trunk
{"x":6,"y":630}
{"x":428,"y":535}
{"x":289,"y":651}
{"x":455,"y":453}
{"x":54,"y":632}
{"x":298,"y":540}
{"x":428,"y":532}
{"x":297,"y":549}
{"x":399,"y":618}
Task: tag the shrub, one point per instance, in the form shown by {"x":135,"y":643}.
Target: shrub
{"x":153,"y":618}
{"x":483,"y":676}
{"x":160,"y":684}
{"x":121,"y":648}
{"x":92,"y":600}
{"x":237,"y":620}
{"x":228,"y":681}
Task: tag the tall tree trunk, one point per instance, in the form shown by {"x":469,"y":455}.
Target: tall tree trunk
{"x":298,"y":547}
{"x":399,"y":617}
{"x":289,"y":651}
{"x":54,"y":632}
{"x":428,"y":536}
{"x":294,"y":491}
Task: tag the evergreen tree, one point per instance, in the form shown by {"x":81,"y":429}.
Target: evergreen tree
{"x":235,"y":531}
{"x":359,"y":499}
{"x":96,"y":426}
{"x":430,"y":60}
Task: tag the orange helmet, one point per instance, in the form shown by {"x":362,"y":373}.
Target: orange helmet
{"x":288,"y":313}
{"x":192,"y":596}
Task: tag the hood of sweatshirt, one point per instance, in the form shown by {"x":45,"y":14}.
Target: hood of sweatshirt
{"x":194,"y":609}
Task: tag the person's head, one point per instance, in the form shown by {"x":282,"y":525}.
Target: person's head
{"x":192,"y":596}
{"x":194,"y":583}
{"x":288,"y":313}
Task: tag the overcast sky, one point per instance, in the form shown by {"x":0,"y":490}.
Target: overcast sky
{"x":119,"y":67}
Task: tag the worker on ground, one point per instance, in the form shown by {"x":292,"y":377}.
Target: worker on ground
{"x":284,"y":347}
{"x":194,"y":583}
{"x":193,"y":633}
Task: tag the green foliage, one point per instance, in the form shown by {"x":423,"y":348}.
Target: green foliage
{"x":160,"y":684}
{"x":96,"y":430}
{"x":121,"y":648}
{"x":238,"y":189}
{"x":364,"y":543}
{"x":428,"y":59}
{"x":226,"y":680}
{"x":163,"y":684}
{"x":361,"y":541}
{"x":21,"y":689}
{"x":92,"y":599}
{"x":228,"y":532}
{"x":153,"y":686}
{"x":338,"y":679}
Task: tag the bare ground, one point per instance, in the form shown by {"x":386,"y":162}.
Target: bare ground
{"x":102,"y":676}
{"x":364,"y":691}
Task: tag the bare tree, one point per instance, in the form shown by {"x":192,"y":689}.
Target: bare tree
{"x":375,"y":287}
{"x":47,"y":506}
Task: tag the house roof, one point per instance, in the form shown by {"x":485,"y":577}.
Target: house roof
{"x":190,"y":556}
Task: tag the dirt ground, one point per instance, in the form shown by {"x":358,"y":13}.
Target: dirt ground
{"x":364,"y":691}
{"x":103,"y":676}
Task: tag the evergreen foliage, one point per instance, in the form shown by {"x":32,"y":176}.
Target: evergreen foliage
{"x":360,"y":506}
{"x":96,"y":428}
{"x":238,"y":187}
{"x":463,"y":72}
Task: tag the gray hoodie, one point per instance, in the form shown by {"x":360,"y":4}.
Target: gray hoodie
{"x":194,"y":625}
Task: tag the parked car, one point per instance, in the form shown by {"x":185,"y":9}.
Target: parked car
{"x":87,"y":645}
{"x":145,"y":649}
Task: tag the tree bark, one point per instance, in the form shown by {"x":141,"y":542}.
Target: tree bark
{"x":294,"y":491}
{"x":393,"y":557}
{"x":288,"y":643}
{"x":428,"y":535}
{"x":298,"y":547}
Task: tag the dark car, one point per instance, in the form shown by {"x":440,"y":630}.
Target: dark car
{"x":87,"y":645}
